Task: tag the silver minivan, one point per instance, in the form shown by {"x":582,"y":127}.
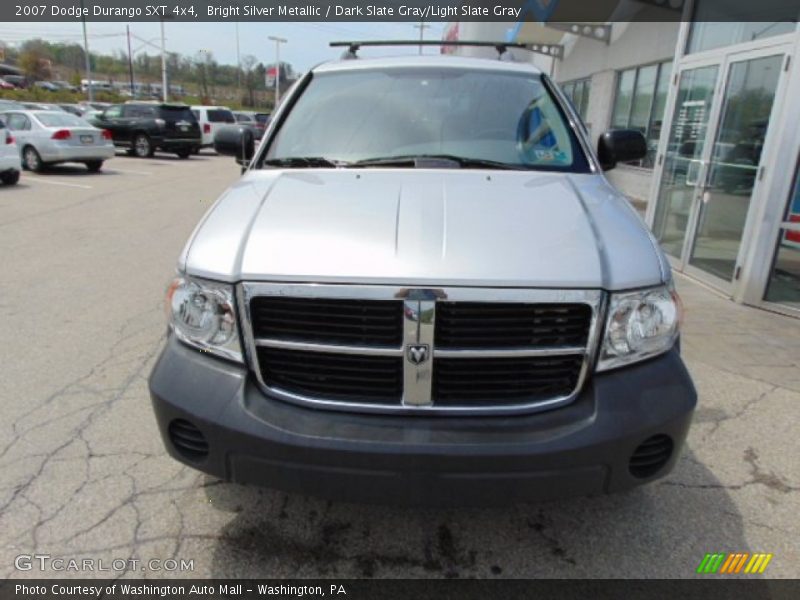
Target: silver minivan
{"x":424,"y":290}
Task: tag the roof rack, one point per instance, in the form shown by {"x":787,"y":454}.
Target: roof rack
{"x":555,"y":50}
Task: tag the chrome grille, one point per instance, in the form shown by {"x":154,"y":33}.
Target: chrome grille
{"x":336,"y":376}
{"x":448,"y":350}
{"x":331,"y":321}
{"x":483,"y":381}
{"x":508,"y":325}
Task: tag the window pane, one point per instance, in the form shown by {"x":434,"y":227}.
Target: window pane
{"x":784,"y":282}
{"x":587,"y":87}
{"x":719,"y":23}
{"x":657,"y":113}
{"x":643,"y":98}
{"x":622,"y":103}
{"x":577,"y":98}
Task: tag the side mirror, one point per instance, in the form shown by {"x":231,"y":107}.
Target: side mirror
{"x":236,"y":141}
{"x":620,"y":145}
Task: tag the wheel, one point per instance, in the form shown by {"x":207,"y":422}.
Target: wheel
{"x":9,"y":177}
{"x":31,"y":159}
{"x":142,"y":146}
{"x":94,"y":166}
{"x":184,"y":153}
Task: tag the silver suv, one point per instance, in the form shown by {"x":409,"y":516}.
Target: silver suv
{"x":424,"y":290}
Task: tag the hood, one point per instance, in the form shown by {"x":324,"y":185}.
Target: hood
{"x":425,"y":227}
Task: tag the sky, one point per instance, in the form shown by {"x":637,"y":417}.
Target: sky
{"x":307,"y":42}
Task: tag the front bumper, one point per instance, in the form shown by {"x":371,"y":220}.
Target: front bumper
{"x":583,"y":448}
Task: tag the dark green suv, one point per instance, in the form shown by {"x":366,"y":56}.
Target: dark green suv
{"x":144,"y":127}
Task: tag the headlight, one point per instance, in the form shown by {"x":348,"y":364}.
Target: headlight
{"x":203,"y":314}
{"x":639,"y":325}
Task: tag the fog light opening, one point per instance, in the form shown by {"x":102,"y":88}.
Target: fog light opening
{"x":650,"y":456}
{"x":188,"y":440}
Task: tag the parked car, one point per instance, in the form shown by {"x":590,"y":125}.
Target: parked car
{"x":10,"y":164}
{"x":47,"y":86}
{"x":258,"y":121}
{"x":11,"y":105}
{"x":49,"y":137}
{"x":211,"y":118}
{"x":4,"y":85}
{"x":143,"y":127}
{"x":75,"y":109}
{"x":65,"y":85}
{"x":42,"y":106}
{"x":19,"y":81}
{"x":411,"y":298}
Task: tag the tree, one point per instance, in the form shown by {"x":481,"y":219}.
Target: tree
{"x":35,"y":64}
{"x":251,"y":77}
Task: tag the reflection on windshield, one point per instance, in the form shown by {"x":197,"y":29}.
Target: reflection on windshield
{"x":365,"y":115}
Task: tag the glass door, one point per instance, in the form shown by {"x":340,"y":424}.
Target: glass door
{"x":712,"y":162}
{"x":684,"y":158}
{"x":731,"y":176}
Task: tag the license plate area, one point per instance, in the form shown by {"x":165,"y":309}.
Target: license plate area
{"x":87,"y":139}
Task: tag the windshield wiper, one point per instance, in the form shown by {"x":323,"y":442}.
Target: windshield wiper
{"x":294,"y":162}
{"x":434,"y":160}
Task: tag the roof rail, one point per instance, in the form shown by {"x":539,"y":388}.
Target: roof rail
{"x":501,"y":47}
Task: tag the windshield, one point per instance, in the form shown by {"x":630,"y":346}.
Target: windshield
{"x":363,"y":115}
{"x":65,"y":119}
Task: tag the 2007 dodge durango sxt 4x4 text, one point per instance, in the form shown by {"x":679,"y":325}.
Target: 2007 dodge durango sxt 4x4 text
{"x":424,"y":290}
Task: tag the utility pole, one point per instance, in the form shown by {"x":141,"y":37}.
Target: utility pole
{"x":86,"y":56}
{"x":278,"y":41}
{"x":130,"y":60}
{"x":422,"y":27}
{"x":164,"y":89}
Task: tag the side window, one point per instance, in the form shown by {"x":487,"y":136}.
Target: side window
{"x":18,"y":122}
{"x":113,"y":112}
{"x":130,"y":112}
{"x":196,"y":114}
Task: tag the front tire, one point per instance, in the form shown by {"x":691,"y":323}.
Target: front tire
{"x":94,"y":166}
{"x":142,"y":146}
{"x":31,"y":159}
{"x":10,"y":177}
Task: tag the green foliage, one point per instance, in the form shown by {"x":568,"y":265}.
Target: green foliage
{"x":202,"y":76}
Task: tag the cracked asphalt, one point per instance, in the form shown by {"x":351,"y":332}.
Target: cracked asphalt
{"x":83,"y":473}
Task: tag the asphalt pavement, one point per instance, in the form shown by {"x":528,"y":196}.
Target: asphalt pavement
{"x":83,"y":473}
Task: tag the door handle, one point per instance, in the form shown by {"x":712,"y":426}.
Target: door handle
{"x":693,"y":170}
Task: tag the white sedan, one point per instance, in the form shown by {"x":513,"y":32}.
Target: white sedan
{"x":50,"y":137}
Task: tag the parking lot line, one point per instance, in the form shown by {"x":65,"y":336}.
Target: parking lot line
{"x":132,"y":172}
{"x":64,"y":183}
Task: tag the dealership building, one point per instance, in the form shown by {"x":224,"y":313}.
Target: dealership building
{"x":717,"y":102}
